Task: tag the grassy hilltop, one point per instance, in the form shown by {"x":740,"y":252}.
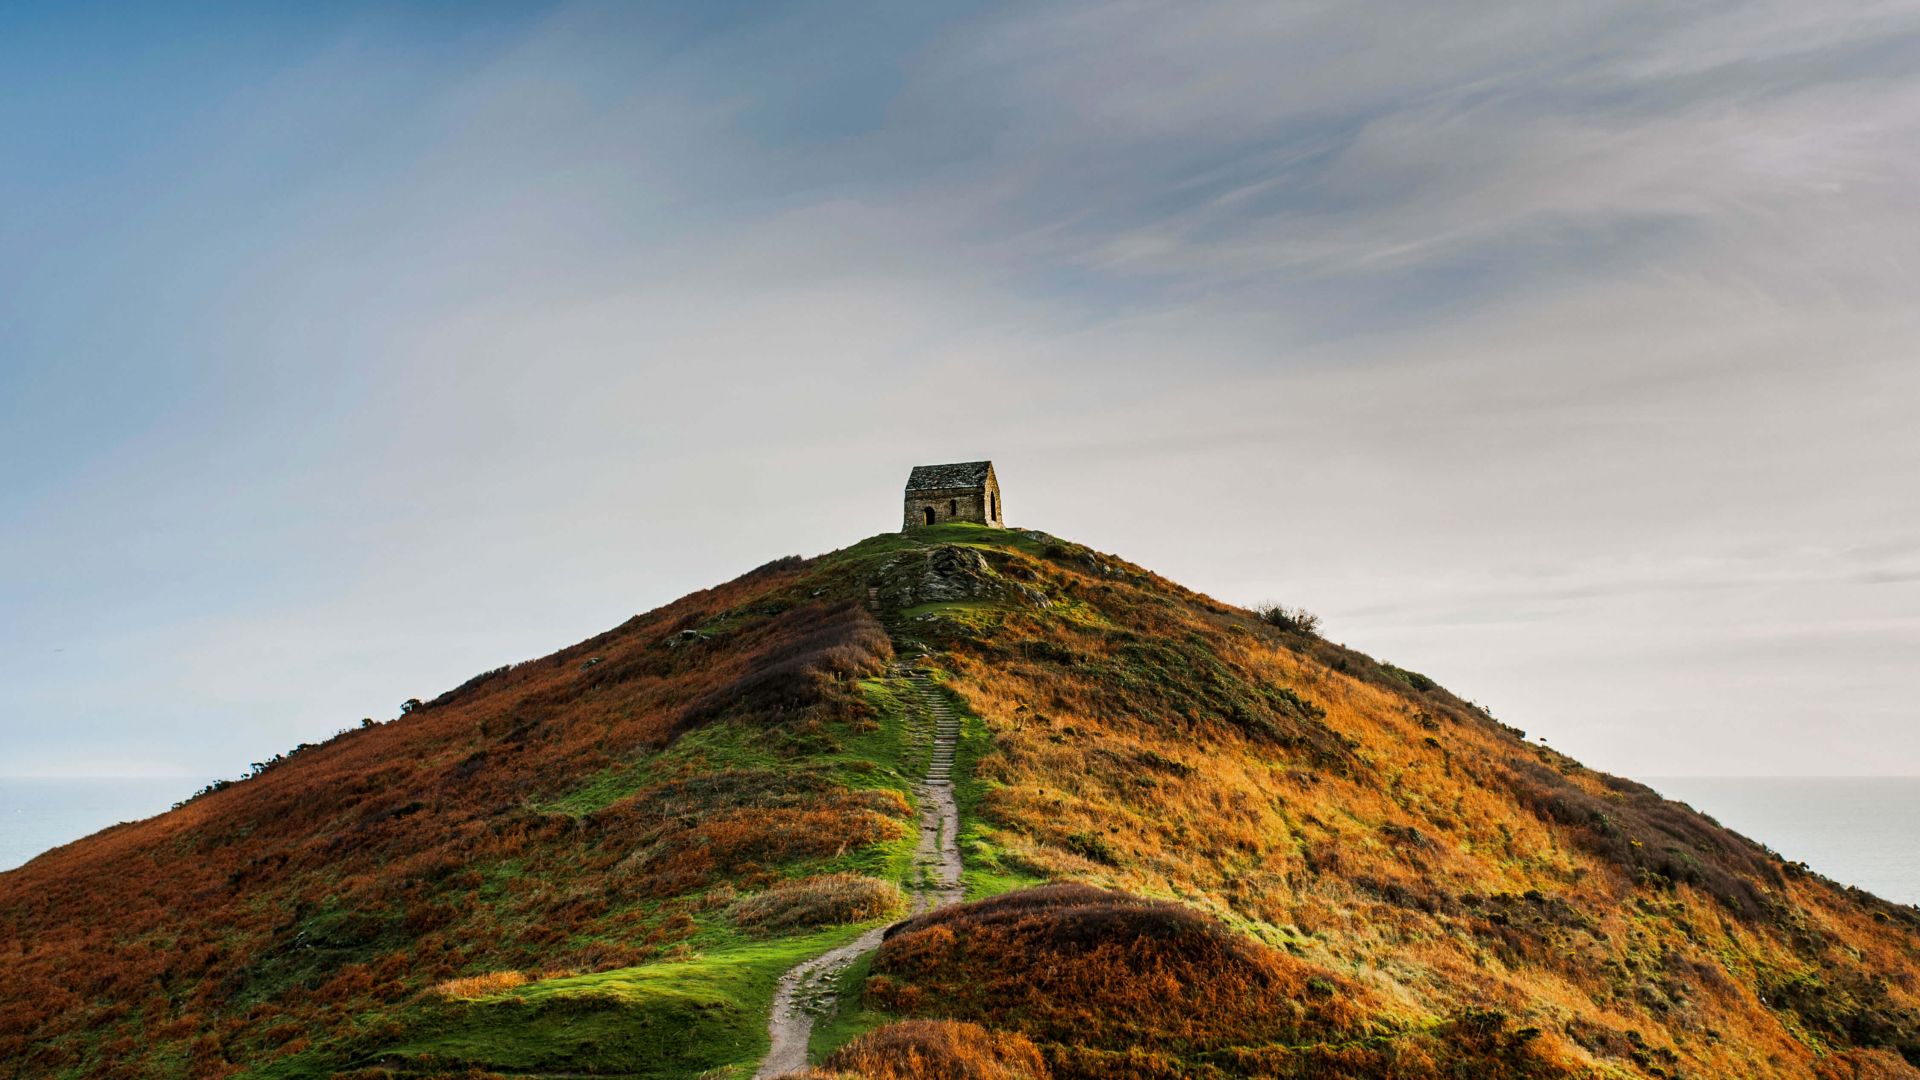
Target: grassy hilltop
{"x":1197,"y":844}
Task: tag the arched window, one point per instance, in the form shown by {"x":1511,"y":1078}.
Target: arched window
{"x":953,"y":507}
{"x":995,"y":516}
{"x":928,"y":514}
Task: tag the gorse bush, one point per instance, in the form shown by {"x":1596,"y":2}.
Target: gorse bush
{"x":1295,"y":620}
{"x":1411,"y":678}
{"x":822,"y":900}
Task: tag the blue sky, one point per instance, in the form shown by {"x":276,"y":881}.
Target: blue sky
{"x":1564,"y":354}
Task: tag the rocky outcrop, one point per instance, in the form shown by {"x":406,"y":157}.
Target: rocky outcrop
{"x":947,"y":574}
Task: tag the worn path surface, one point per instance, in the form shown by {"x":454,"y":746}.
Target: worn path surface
{"x":806,"y":991}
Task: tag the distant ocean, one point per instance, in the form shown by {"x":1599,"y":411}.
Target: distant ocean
{"x":1858,"y":831}
{"x":38,"y":813}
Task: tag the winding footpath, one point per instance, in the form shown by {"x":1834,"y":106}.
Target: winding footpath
{"x":806,"y":991}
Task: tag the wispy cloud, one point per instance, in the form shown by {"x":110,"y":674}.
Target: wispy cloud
{"x":1500,"y":336}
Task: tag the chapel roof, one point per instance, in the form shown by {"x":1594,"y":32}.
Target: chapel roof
{"x":961,"y":474}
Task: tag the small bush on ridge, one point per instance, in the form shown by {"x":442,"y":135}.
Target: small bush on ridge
{"x":1295,"y":620}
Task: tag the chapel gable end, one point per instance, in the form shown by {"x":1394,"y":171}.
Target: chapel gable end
{"x":961,"y":491}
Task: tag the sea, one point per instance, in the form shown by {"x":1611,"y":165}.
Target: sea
{"x":1861,"y":831}
{"x":38,"y":813}
{"x":1857,"y":830}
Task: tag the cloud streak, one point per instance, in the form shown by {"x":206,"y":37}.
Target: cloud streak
{"x":1564,"y":355}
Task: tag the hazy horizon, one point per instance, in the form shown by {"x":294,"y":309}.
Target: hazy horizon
{"x":1564,"y":356}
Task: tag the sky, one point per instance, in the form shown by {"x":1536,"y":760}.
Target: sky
{"x":1565,"y":353}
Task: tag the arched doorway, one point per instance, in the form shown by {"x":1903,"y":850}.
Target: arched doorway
{"x":995,"y":516}
{"x":927,"y":512}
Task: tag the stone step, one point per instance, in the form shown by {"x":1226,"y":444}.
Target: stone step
{"x":945,"y":723}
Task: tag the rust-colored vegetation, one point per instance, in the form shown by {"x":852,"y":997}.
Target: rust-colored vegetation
{"x":1491,"y":893}
{"x":934,"y":1050}
{"x":1113,"y":985}
{"x":473,"y":986}
{"x":1072,"y":963}
{"x":1354,"y":872}
{"x":523,"y":821}
{"x":820,"y":900}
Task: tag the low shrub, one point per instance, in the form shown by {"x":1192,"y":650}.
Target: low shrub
{"x":936,"y":1050}
{"x":823,"y":900}
{"x":792,"y":661}
{"x":1106,"y":985}
{"x":1091,"y":845}
{"x":1412,"y":678}
{"x":1294,"y":620}
{"x":473,"y":986}
{"x":1633,"y":827}
{"x":1077,"y":965}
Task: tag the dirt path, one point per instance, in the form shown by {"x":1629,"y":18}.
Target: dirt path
{"x":806,"y":991}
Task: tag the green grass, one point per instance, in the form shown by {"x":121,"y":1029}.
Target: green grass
{"x":603,"y":790}
{"x":687,"y":1017}
{"x":953,"y":608}
{"x":879,"y":758}
{"x":660,"y":1020}
{"x":327,"y":940}
{"x":684,"y":1018}
{"x":856,"y":560}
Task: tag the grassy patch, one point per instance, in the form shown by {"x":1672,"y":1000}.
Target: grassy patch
{"x":603,"y":790}
{"x":670,"y":1019}
{"x":879,"y":753}
{"x":680,"y":1017}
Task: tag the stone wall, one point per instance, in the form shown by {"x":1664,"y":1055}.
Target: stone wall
{"x":974,"y":504}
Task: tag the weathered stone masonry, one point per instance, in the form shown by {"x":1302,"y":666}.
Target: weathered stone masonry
{"x":964,"y":491}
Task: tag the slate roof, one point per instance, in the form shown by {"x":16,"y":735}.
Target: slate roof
{"x":962,"y":474}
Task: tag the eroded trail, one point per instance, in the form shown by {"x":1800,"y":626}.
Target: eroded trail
{"x":806,"y":991}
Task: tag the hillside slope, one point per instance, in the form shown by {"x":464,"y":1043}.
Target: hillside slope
{"x":1287,"y":860}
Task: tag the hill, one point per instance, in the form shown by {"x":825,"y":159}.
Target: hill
{"x":1194,"y":843}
